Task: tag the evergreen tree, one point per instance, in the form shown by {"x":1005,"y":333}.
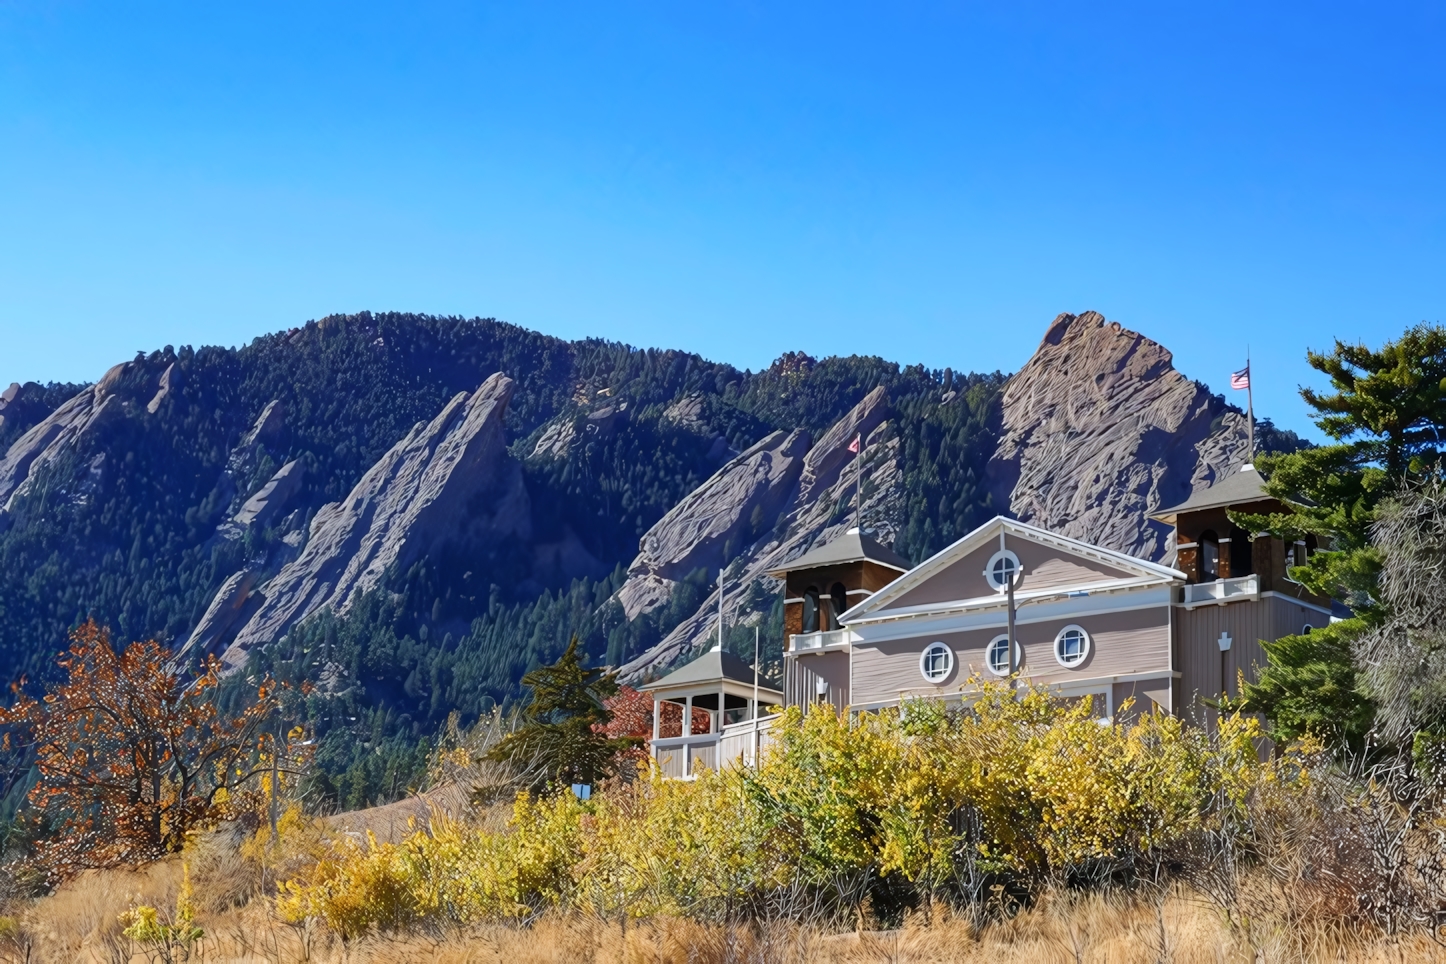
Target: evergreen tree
{"x":564,"y":737}
{"x":1386,"y":415}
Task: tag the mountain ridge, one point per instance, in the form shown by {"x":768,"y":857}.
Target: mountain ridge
{"x":173,"y":497}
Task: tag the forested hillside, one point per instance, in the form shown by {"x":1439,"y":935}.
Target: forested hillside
{"x":131,"y":519}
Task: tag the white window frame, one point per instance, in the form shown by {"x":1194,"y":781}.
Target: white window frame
{"x":989,"y":569}
{"x":988,"y":651}
{"x":1084,"y":653}
{"x":935,"y":647}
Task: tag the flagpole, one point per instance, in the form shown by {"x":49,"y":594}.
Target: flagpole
{"x":1250,"y":403}
{"x":859,"y":487}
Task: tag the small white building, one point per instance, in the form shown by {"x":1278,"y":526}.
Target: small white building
{"x":709,"y":713}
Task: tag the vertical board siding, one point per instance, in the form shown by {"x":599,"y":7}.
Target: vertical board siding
{"x":1205,"y":672}
{"x":802,"y":673}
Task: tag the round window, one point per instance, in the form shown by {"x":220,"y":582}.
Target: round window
{"x":1071,"y":646}
{"x":996,"y":657}
{"x":937,"y":662}
{"x":1003,"y":567}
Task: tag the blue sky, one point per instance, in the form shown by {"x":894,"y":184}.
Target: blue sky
{"x":928,"y":182}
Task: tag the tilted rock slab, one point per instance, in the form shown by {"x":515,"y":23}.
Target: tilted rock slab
{"x":412,"y":501}
{"x":695,"y":533}
{"x":71,"y":424}
{"x":1100,"y":430}
{"x":818,"y":509}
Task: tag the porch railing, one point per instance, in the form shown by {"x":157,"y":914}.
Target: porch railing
{"x":681,"y":757}
{"x":1223,"y":590}
{"x":815,"y":642}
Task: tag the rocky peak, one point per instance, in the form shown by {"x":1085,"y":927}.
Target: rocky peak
{"x":1099,"y":430}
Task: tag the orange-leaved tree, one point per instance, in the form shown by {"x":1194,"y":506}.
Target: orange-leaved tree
{"x":132,"y":756}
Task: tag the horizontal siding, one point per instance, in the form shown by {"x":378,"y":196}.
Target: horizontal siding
{"x":1121,"y":644}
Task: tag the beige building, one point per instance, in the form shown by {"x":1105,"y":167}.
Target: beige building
{"x":865,"y":630}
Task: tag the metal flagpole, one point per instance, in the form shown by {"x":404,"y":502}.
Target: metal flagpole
{"x":1250,"y":404}
{"x":756,"y":657}
{"x":859,"y":487}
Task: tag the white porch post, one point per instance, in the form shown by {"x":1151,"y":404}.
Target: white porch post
{"x":688,"y":716}
{"x":657,"y":716}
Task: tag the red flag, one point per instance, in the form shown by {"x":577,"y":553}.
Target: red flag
{"x":1240,"y":380}
{"x":854,"y":445}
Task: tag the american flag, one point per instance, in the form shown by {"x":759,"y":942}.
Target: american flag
{"x":1241,"y":380}
{"x":854,"y":445}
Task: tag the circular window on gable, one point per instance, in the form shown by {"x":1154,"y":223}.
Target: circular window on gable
{"x":1002,"y":569}
{"x":996,"y":656}
{"x":1071,"y":646}
{"x":937,"y":662}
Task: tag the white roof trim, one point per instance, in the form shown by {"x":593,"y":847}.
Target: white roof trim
{"x":1147,"y":572}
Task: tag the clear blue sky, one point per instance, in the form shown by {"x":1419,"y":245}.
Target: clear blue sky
{"x":929,"y":182}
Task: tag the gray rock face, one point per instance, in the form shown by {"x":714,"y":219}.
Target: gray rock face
{"x":742,"y":497}
{"x":266,"y":505}
{"x":74,"y":423}
{"x":68,"y":425}
{"x":816,"y":509}
{"x":226,"y":609}
{"x":413,"y":500}
{"x":1100,"y":430}
{"x":170,"y":378}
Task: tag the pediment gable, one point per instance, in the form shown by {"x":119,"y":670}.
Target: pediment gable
{"x":1052,"y":565}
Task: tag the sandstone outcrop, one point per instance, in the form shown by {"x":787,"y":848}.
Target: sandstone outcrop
{"x":726,"y":512}
{"x":266,"y":505}
{"x":226,"y":609}
{"x":1100,"y":430}
{"x":817,"y":509}
{"x":71,"y":424}
{"x":450,"y":479}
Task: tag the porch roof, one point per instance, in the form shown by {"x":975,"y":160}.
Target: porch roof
{"x":709,"y":671}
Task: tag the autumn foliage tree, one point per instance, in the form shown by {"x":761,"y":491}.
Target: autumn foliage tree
{"x":132,"y":757}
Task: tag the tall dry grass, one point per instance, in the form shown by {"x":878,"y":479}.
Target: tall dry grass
{"x":80,"y":922}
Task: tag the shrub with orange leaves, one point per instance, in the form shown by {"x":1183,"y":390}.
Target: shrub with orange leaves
{"x":132,"y":758}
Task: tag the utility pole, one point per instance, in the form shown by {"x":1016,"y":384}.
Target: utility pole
{"x":1008,"y":593}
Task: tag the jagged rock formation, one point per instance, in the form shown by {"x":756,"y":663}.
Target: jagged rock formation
{"x":818,"y":493}
{"x":69,"y":425}
{"x":1100,"y":430}
{"x":722,"y":514}
{"x":226,"y":609}
{"x":266,"y":505}
{"x":447,"y":480}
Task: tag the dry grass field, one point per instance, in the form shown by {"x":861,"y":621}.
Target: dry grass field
{"x":81,"y":922}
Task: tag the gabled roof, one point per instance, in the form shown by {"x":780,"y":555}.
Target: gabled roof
{"x":1242,"y":486}
{"x":711,"y":667}
{"x":852,"y":546}
{"x":1145,"y":572}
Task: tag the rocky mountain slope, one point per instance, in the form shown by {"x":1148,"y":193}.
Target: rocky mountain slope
{"x":1100,"y":430}
{"x":415,"y":510}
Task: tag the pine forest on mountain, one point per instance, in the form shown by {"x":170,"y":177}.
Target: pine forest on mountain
{"x":122,"y":528}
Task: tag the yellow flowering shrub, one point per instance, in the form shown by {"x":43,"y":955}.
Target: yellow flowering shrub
{"x":1021,"y":782}
{"x":448,"y":873}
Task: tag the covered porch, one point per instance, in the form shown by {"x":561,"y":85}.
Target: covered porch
{"x":710,"y":713}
